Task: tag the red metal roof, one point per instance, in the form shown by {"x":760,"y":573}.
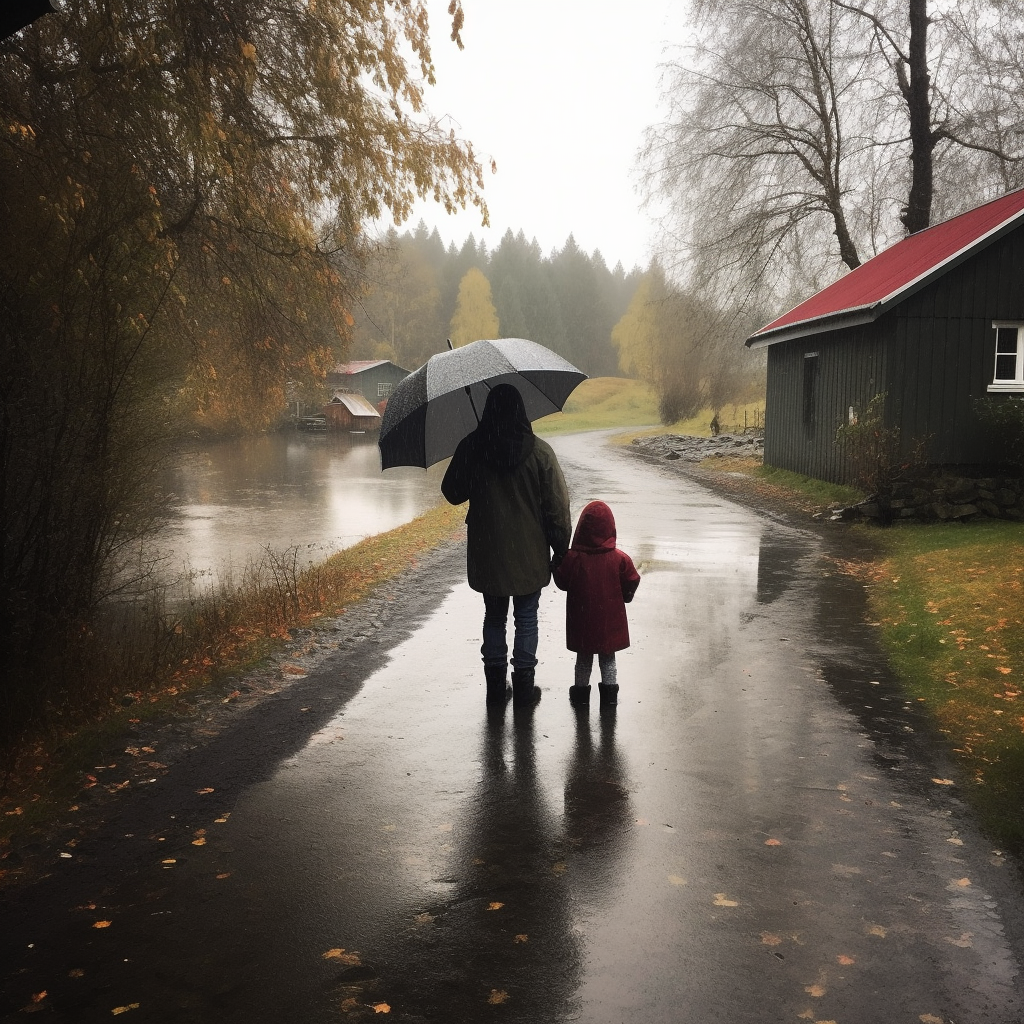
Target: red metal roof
{"x":358,"y":365}
{"x":895,"y":273}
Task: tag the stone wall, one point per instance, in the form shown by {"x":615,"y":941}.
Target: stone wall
{"x":944,"y":497}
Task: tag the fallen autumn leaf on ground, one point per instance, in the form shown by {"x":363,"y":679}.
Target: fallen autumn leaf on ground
{"x":352,"y":959}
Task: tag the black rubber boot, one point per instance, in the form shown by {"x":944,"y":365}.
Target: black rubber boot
{"x":498,"y":691}
{"x":609,"y":694}
{"x":580,"y":695}
{"x":524,"y":692}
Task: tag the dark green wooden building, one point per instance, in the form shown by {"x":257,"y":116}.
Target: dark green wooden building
{"x":374,"y":379}
{"x":933,"y":323}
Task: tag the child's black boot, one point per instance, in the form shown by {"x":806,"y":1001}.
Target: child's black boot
{"x":498,"y":690}
{"x":609,"y":694}
{"x":524,"y":692}
{"x":579,"y":696}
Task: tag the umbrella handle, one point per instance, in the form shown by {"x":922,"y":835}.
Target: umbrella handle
{"x":472,"y":404}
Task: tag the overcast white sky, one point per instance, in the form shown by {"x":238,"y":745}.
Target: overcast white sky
{"x":559,"y":93}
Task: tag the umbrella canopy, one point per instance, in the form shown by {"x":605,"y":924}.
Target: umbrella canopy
{"x":436,"y":406}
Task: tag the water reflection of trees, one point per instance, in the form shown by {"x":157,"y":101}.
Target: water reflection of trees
{"x":233,"y":498}
{"x":778,"y":555}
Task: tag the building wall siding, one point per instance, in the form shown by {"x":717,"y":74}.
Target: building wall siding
{"x":366,"y":382}
{"x":944,"y":347}
{"x":850,"y":372}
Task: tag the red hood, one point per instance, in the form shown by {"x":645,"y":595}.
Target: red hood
{"x":596,"y":529}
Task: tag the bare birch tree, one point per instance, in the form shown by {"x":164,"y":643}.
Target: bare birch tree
{"x":956,"y":68}
{"x":801,"y":134}
{"x":986,"y":96}
{"x":755,"y":154}
{"x":687,"y":349}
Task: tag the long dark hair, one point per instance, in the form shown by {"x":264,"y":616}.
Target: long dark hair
{"x":504,"y":436}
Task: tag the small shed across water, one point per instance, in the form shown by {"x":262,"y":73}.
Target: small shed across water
{"x":374,"y":379}
{"x":347,"y":411}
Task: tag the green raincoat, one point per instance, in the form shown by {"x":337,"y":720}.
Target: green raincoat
{"x":517,"y":516}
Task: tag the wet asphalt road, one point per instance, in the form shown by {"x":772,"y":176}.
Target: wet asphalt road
{"x":754,"y":835}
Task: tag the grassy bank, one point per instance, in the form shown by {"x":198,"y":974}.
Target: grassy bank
{"x":948,"y":598}
{"x":819,"y":491}
{"x":799,"y":492}
{"x":144,"y":661}
{"x":603,"y":403}
{"x":600,"y":403}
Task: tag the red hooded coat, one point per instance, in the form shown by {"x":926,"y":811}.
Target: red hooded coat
{"x":599,"y":580}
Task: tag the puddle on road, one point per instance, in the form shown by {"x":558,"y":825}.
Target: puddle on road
{"x":777,"y":558}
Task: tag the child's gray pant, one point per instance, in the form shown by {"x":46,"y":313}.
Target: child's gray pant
{"x":585,"y":665}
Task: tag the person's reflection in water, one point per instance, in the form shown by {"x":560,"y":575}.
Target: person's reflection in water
{"x":504,"y":935}
{"x":598,"y":813}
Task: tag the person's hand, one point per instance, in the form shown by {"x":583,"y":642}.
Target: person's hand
{"x":556,"y":560}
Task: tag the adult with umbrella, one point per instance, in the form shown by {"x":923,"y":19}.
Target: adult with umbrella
{"x":476,"y":402}
{"x":518,"y":526}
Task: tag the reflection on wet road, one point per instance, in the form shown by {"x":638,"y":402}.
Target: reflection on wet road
{"x":754,"y":835}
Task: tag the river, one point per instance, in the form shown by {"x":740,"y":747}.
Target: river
{"x":231,"y":499}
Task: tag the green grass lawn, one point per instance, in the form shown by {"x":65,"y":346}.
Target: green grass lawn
{"x":600,"y":403}
{"x":948,"y":599}
{"x":819,"y":491}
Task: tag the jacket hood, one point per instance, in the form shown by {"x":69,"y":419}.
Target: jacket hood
{"x":504,"y":435}
{"x":596,"y":529}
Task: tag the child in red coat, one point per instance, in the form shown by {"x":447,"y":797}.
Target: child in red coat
{"x":599,"y":580}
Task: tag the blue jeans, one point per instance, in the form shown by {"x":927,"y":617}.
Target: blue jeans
{"x":524,"y":646}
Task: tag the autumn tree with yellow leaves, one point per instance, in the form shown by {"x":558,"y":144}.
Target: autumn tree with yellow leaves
{"x":182,"y":189}
{"x":475,"y":317}
{"x":688,"y":350}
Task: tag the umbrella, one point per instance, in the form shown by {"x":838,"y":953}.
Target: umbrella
{"x":436,"y":406}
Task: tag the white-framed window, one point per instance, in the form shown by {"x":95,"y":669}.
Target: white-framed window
{"x":1008,"y":374}
{"x":384,"y":390}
